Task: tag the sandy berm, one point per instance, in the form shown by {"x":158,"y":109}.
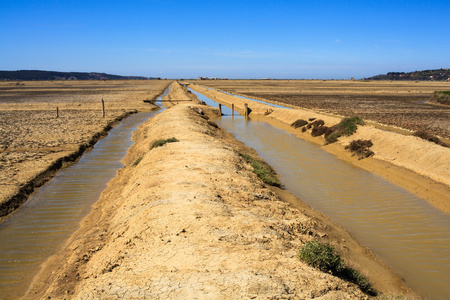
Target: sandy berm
{"x":191,"y":220}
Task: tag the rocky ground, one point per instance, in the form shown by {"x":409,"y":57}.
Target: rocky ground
{"x":190,"y":220}
{"x":35,"y":141}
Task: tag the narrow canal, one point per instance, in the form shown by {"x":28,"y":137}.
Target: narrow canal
{"x":406,"y":231}
{"x":53,"y":212}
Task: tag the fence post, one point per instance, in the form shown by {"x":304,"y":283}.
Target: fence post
{"x":220,"y":109}
{"x":246,"y":110}
{"x":232,"y":109}
{"x":57,"y":112}
{"x":103,"y":108}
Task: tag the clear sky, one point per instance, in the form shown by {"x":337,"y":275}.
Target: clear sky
{"x":234,"y":39}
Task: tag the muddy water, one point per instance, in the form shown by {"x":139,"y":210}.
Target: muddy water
{"x":54,"y":211}
{"x":406,"y":231}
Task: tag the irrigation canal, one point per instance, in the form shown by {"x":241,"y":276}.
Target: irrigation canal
{"x":403,"y":229}
{"x":53,"y":212}
{"x":406,"y":231}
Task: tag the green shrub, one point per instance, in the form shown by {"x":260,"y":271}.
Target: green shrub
{"x":137,"y":161}
{"x":357,"y":120}
{"x":357,"y":278}
{"x":347,"y":126}
{"x":262,"y":170}
{"x":332,"y":137}
{"x":162,"y":142}
{"x":299,"y":123}
{"x":442,"y":97}
{"x":323,"y":257}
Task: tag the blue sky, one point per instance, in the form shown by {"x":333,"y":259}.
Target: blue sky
{"x":234,"y":39}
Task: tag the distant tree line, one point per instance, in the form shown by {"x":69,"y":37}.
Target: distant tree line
{"x":426,"y":75}
{"x":53,"y":75}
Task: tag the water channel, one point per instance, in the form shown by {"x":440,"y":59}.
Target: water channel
{"x":406,"y":231}
{"x":53,"y":212}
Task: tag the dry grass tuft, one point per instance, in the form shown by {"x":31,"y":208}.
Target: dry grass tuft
{"x":360,"y":148}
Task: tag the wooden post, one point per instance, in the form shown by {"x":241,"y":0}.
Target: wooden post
{"x":103,"y":108}
{"x":246,"y":110}
{"x":232,"y":109}
{"x":57,"y":112}
{"x":220,"y":109}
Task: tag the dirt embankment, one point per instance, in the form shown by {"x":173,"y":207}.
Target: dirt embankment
{"x":401,"y":105}
{"x":191,"y":220}
{"x":178,"y":94}
{"x":417,"y":165}
{"x":35,"y":142}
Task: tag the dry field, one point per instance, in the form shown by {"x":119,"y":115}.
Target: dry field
{"x":33,"y":139}
{"x":399,"y":104}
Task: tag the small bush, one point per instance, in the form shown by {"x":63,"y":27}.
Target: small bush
{"x":330,"y":130}
{"x":318,"y":131}
{"x":159,"y":143}
{"x":323,"y":257}
{"x":137,"y":161}
{"x":268,"y":112}
{"x":262,"y":170}
{"x":442,"y":97}
{"x":332,"y":137}
{"x":317,"y":123}
{"x":357,"y":120}
{"x":429,"y":137}
{"x":347,"y":126}
{"x":354,"y":276}
{"x":360,"y":148}
{"x":299,"y":123}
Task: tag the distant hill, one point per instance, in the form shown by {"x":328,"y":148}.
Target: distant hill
{"x":53,"y":75}
{"x":427,"y":75}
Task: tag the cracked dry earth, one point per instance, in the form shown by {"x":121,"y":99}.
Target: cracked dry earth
{"x":188,"y":221}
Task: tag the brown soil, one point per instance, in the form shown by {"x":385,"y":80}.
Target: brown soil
{"x":34,"y":143}
{"x":190,"y":220}
{"x":417,"y":165}
{"x":398,"y":104}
